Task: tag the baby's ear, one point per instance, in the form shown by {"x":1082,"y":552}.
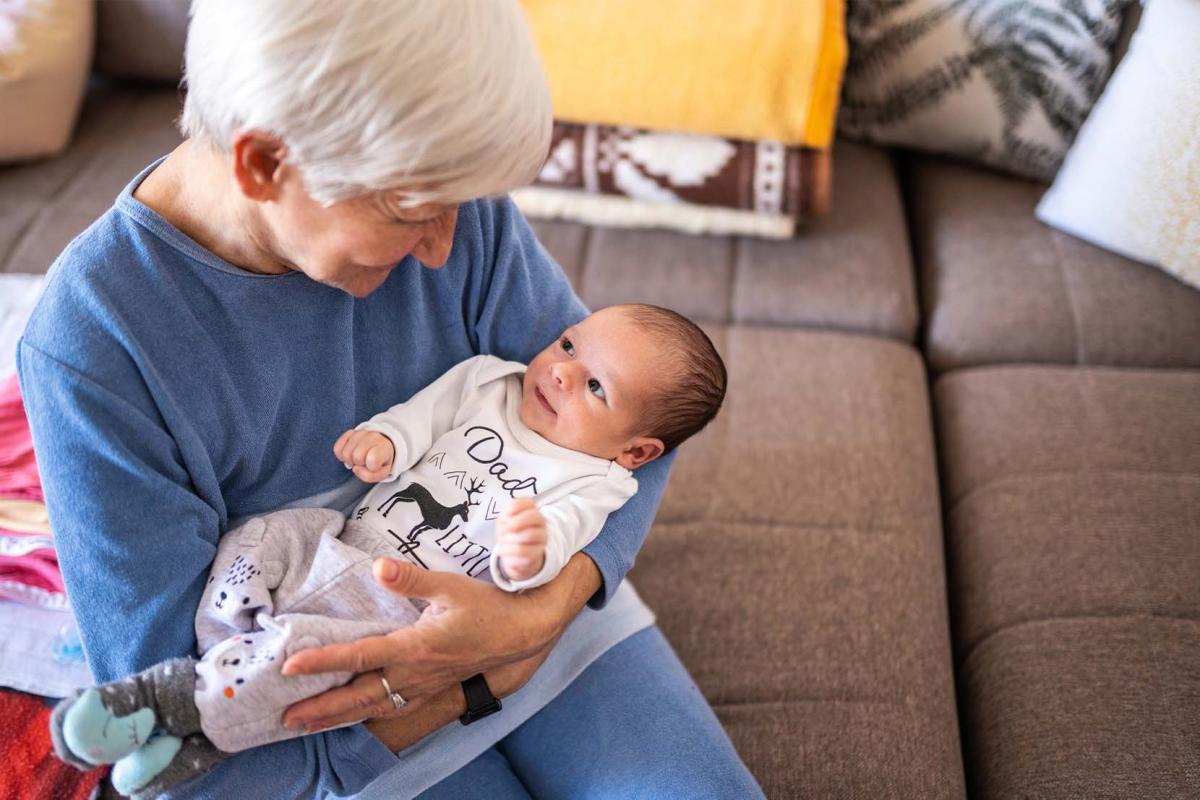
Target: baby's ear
{"x":640,"y":450}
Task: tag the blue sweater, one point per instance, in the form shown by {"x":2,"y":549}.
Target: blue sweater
{"x":171,"y":393}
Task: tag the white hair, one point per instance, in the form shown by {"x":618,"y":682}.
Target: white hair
{"x":445,"y":100}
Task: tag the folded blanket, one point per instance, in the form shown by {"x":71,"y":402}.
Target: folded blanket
{"x":30,"y":767}
{"x":763,"y":177}
{"x":29,"y":562}
{"x":750,"y":69}
{"x":622,"y":212}
{"x":24,"y":516}
{"x":18,"y":470}
{"x":40,"y":651}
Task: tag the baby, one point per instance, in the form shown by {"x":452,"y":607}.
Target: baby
{"x":495,"y":470}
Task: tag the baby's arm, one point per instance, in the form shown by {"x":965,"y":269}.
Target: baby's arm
{"x":392,"y":441}
{"x":533,"y":543}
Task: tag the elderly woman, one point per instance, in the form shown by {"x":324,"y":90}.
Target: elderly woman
{"x":313,"y":253}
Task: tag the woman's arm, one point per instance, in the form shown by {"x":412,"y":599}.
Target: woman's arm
{"x":134,"y":539}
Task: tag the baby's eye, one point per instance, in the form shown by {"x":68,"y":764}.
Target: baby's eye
{"x":567,"y":347}
{"x":595,"y":388}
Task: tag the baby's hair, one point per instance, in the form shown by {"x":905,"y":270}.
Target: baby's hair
{"x":695,"y":392}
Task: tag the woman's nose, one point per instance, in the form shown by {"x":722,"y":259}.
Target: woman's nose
{"x":434,"y":248}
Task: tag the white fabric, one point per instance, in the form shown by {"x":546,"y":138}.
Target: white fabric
{"x":462,"y":455}
{"x":40,"y":651}
{"x":1131,"y":182}
{"x":623,"y":212}
{"x":18,"y":295}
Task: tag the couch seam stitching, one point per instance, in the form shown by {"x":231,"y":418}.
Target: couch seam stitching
{"x":1029,"y":476}
{"x":1063,"y":618}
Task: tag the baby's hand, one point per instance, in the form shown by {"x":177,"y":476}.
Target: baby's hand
{"x":368,"y":453}
{"x":521,"y":539}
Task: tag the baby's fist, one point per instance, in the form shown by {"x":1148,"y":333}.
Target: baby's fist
{"x":368,"y":453}
{"x":521,"y":540}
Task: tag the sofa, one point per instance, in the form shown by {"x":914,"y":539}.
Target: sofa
{"x":944,"y":538}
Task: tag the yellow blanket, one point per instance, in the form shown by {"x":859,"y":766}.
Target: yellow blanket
{"x":746,"y":69}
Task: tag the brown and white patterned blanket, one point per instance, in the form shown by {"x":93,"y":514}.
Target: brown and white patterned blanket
{"x":673,"y":168}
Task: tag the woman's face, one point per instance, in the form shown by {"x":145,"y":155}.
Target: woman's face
{"x":353,"y":245}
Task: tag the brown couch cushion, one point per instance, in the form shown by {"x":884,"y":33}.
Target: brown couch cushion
{"x":849,"y":270}
{"x":43,"y":206}
{"x":1102,"y":709}
{"x":141,"y":39}
{"x":1073,"y":515}
{"x":998,"y":286}
{"x":796,"y":565}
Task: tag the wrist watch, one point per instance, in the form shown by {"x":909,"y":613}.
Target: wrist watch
{"x":480,"y":700}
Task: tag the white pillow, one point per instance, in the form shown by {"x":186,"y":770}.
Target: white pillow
{"x":1131,"y":182}
{"x":45,"y":54}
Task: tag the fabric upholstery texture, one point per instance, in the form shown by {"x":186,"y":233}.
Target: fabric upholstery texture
{"x":998,"y":286}
{"x":849,"y":270}
{"x":1073,"y":506}
{"x":796,"y":566}
{"x":44,"y":205}
{"x":141,"y":39}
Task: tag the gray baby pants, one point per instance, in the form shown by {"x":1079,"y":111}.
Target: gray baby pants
{"x":283,"y":582}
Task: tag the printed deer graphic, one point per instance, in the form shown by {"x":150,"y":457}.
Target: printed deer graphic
{"x":435,"y":516}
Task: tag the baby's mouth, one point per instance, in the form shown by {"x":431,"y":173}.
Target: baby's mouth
{"x":542,"y":399}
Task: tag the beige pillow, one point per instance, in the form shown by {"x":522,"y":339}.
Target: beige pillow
{"x":45,"y":55}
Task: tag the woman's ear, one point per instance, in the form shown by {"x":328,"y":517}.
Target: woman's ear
{"x":640,"y":450}
{"x":258,"y":165}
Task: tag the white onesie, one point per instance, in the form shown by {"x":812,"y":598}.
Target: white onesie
{"x":462,"y":455}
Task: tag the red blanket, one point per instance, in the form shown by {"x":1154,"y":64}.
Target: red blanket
{"x":30,"y":768}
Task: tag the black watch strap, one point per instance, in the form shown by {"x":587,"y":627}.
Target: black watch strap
{"x":480,"y":700}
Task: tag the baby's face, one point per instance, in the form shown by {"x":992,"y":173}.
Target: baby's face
{"x":587,"y":390}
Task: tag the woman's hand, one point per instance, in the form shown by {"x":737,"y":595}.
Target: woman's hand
{"x":418,"y":720}
{"x":469,"y":627}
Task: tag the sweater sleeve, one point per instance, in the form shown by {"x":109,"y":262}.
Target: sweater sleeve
{"x":522,"y":301}
{"x":134,"y":538}
{"x":572,"y":522}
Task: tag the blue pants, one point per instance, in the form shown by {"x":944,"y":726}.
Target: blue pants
{"x":632,"y":725}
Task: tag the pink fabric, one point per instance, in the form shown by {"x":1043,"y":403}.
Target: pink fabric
{"x":37,"y":569}
{"x":27,"y":576}
{"x":18,"y":469}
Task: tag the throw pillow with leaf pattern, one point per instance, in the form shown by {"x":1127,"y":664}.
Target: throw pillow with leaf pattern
{"x":1003,"y":82}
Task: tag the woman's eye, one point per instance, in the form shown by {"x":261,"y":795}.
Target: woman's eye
{"x":595,"y":388}
{"x":567,"y":347}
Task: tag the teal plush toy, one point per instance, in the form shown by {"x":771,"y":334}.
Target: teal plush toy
{"x":96,"y":735}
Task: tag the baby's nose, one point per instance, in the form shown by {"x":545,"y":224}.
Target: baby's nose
{"x":563,"y":374}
